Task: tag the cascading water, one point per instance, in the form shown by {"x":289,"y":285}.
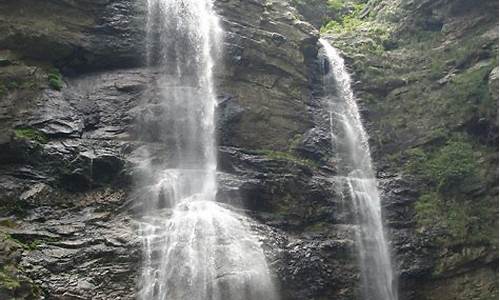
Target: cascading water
{"x":194,"y":248}
{"x":355,"y":164}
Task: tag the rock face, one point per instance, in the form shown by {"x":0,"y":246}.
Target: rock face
{"x":266,"y":82}
{"x":69,"y":145}
{"x":424,"y":73}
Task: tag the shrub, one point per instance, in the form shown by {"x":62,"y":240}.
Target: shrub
{"x":335,"y":5}
{"x":446,"y":168}
{"x":452,"y":165}
{"x":462,"y":220}
{"x":55,"y":80}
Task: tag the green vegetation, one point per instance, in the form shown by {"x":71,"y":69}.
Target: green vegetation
{"x":13,"y":283}
{"x":449,"y":167}
{"x":55,"y":80}
{"x":463,"y":220}
{"x":472,"y":85}
{"x":371,"y":36}
{"x":335,"y":5}
{"x":452,"y":172}
{"x":7,"y":279}
{"x":31,"y":134}
{"x":26,"y":245}
{"x":346,"y":23}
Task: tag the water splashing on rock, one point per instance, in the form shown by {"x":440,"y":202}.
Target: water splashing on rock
{"x":194,"y":248}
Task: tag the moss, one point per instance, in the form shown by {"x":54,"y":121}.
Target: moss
{"x":294,"y":142}
{"x":8,"y":280}
{"x":31,"y":134}
{"x":473,"y":86}
{"x":454,"y":201}
{"x":55,"y":80}
{"x":452,"y":165}
{"x":27,"y":245}
{"x":446,"y":168}
{"x":463,"y":220}
{"x":335,"y":5}
{"x":427,"y":209}
{"x":14,"y":283}
{"x":8,"y":223}
{"x":33,"y":245}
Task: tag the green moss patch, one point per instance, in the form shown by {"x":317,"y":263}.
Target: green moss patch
{"x":55,"y":80}
{"x":458,"y":218}
{"x":447,"y":168}
{"x":455,"y":201}
{"x":8,"y":280}
{"x":31,"y":134}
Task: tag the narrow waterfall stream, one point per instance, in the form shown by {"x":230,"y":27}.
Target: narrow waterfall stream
{"x":354,"y":163}
{"x":194,"y":248}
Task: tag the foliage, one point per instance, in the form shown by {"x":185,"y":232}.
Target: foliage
{"x":55,"y":80}
{"x":335,"y":5}
{"x":7,"y":280}
{"x":472,"y":86}
{"x":463,"y":220}
{"x":447,"y":168}
{"x":31,"y":134}
{"x":453,"y":164}
{"x":453,"y":170}
{"x":347,"y":23}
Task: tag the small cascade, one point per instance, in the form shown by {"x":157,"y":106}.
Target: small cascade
{"x":194,"y":247}
{"x":350,"y":142}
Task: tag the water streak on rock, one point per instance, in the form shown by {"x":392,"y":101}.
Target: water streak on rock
{"x":194,"y":248}
{"x":350,"y":142}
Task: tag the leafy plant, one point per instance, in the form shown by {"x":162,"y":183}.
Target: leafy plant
{"x":55,"y":80}
{"x":335,"y":5}
{"x":447,"y":168}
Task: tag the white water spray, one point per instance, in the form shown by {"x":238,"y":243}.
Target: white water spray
{"x":351,"y":145}
{"x":194,"y":248}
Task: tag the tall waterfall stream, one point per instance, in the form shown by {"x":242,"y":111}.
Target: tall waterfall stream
{"x":194,"y":248}
{"x":355,"y":164}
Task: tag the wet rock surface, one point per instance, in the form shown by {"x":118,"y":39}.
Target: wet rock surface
{"x":417,"y":66}
{"x":70,"y":149}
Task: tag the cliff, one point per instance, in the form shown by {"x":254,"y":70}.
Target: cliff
{"x":72,"y":81}
{"x":427,"y":81}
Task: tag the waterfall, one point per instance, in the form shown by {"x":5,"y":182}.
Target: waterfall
{"x":355,"y":164}
{"x":194,"y":248}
